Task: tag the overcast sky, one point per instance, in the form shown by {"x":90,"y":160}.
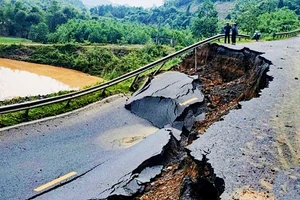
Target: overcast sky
{"x":143,"y":3}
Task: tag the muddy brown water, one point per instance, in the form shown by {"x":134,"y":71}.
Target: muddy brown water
{"x":22,"y":79}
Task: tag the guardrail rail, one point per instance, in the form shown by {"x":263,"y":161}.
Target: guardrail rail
{"x":286,"y":34}
{"x":67,"y":97}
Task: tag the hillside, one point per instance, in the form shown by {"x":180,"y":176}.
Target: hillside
{"x":183,"y":20}
{"x":93,"y":3}
{"x":224,"y":8}
{"x":44,"y":4}
{"x":174,"y":14}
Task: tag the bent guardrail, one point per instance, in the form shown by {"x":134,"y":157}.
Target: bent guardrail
{"x":286,"y":34}
{"x":67,"y":97}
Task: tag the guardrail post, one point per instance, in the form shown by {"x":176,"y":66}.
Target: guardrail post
{"x":103,"y":92}
{"x":133,"y":82}
{"x":195,"y":59}
{"x":146,"y":82}
{"x":68,"y":103}
{"x":26,"y":113}
{"x":159,"y":69}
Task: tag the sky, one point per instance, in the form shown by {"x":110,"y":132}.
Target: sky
{"x":144,"y":3}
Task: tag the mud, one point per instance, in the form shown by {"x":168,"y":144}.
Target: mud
{"x":227,"y":77}
{"x":74,"y":79}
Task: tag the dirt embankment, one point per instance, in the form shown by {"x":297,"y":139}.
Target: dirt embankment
{"x":228,"y":76}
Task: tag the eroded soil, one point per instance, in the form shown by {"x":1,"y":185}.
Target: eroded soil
{"x":227,"y":77}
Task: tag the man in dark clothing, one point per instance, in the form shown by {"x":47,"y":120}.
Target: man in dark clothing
{"x":227,"y":29}
{"x":234,"y":33}
{"x":256,"y":36}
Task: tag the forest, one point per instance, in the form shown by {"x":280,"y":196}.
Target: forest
{"x":176,"y":22}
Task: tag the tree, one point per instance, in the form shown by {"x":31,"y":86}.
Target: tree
{"x":21,"y":24}
{"x":2,"y":20}
{"x":39,"y":32}
{"x":280,"y":4}
{"x":279,"y":21}
{"x":248,"y":20}
{"x":206,"y":24}
{"x":34,"y":18}
{"x":294,"y":5}
{"x":56,"y":19}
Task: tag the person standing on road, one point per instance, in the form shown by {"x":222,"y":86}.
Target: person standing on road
{"x":227,"y":29}
{"x":234,"y":33}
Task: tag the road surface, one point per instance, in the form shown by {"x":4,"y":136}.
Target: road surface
{"x":35,"y":154}
{"x":84,"y":154}
{"x":256,"y":149}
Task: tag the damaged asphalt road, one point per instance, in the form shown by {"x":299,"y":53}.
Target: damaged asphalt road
{"x":166,"y":97}
{"x":38,"y":153}
{"x":95,"y":143}
{"x":255,"y":149}
{"x":252,"y":151}
{"x":122,"y":175}
{"x":145,"y":160}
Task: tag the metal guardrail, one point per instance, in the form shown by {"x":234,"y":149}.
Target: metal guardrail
{"x":67,"y":97}
{"x":286,"y":34}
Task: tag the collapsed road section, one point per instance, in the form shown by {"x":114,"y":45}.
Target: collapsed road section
{"x":166,"y":98}
{"x":186,"y":103}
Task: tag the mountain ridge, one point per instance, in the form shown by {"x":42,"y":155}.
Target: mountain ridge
{"x":44,"y":4}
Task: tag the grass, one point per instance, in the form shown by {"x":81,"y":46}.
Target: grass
{"x":11,"y":40}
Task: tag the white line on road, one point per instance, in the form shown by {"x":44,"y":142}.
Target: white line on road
{"x":55,"y":181}
{"x":188,"y":101}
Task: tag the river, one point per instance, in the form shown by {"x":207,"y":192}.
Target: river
{"x":20,"y":79}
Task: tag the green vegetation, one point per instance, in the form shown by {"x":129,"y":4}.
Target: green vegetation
{"x":14,"y":40}
{"x":116,"y":32}
{"x":206,"y":25}
{"x":99,"y":61}
{"x":44,"y":4}
{"x":177,"y":22}
{"x":266,"y":17}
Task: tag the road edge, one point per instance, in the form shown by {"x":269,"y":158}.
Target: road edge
{"x":101,"y":102}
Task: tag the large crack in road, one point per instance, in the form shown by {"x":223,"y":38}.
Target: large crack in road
{"x":187,"y":105}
